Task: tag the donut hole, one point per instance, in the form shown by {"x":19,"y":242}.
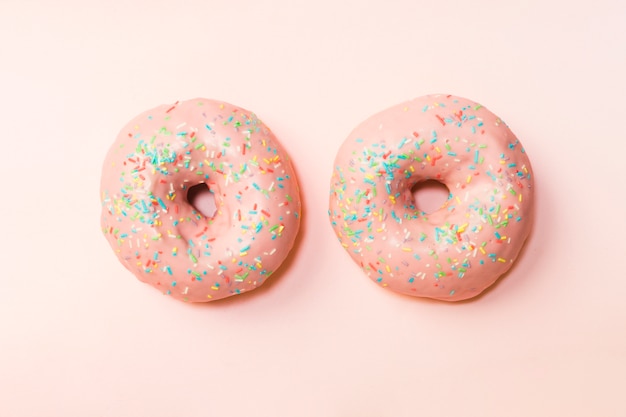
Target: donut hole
{"x":202,"y":199}
{"x":430,"y":195}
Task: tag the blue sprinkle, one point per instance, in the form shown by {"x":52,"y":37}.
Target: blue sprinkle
{"x":161,"y":203}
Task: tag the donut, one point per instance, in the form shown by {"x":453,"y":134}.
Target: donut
{"x":460,"y":249}
{"x":167,"y":242}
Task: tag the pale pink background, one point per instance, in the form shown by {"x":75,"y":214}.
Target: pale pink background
{"x":80,"y":336}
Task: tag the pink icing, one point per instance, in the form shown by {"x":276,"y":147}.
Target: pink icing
{"x":161,"y":238}
{"x":459,"y":250}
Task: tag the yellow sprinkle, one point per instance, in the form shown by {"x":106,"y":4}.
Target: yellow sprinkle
{"x":213,"y":287}
{"x":437,"y":149}
{"x":482,"y":250}
{"x":469,"y":179}
{"x":501,"y":260}
{"x":406,"y":249}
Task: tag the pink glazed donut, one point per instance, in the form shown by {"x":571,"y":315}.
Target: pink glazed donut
{"x":161,"y":237}
{"x":462,"y":248}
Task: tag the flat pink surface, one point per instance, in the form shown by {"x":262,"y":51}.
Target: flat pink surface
{"x":80,"y":336}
